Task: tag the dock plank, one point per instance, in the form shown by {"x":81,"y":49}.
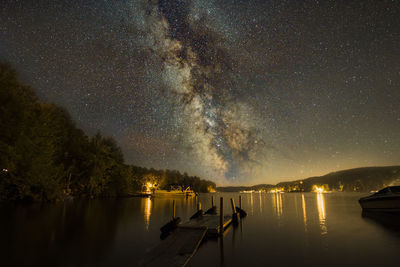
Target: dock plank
{"x":209,"y":221}
{"x":177,"y":249}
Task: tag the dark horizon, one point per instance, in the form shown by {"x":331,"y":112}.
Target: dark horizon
{"x":237,"y":92}
{"x":325,"y":175}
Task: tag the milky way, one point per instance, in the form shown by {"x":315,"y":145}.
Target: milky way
{"x":238,"y":92}
{"x":218,"y":130}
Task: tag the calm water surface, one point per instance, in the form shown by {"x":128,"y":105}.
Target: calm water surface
{"x":293,"y":229}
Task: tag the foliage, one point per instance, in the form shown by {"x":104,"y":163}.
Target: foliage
{"x":172,"y":178}
{"x":44,"y":156}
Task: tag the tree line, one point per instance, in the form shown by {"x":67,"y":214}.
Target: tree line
{"x":45,"y":157}
{"x":353,"y":180}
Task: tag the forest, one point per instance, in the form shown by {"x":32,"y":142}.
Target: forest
{"x":45,"y":157}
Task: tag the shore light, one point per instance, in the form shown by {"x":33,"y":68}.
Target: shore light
{"x":318,"y":189}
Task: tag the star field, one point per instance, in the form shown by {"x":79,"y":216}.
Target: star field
{"x":239,"y":92}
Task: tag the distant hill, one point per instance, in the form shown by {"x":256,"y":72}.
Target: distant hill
{"x":359,"y":180}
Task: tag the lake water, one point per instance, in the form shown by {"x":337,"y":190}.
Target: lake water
{"x":292,"y":229}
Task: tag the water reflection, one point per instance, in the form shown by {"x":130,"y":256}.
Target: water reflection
{"x":259,"y":195}
{"x":221,"y":251}
{"x":190,"y":204}
{"x":303,"y":204}
{"x":278,"y":204}
{"x":321,"y":213}
{"x":389,"y":221}
{"x":84,"y":230}
{"x":251,"y":203}
{"x":106,"y":232}
{"x":147,"y":212}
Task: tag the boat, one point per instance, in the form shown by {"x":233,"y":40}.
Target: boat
{"x":174,"y":193}
{"x":386,"y":199}
{"x":190,"y":193}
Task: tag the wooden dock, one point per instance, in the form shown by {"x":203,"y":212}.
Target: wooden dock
{"x":211,"y":222}
{"x":178,"y":248}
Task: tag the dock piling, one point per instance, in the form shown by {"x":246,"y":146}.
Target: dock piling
{"x":173,"y":209}
{"x":186,"y":238}
{"x":221,"y":216}
{"x":235,"y":215}
{"x":240,"y":210}
{"x":172,"y":225}
{"x":213,"y":209}
{"x":233,"y":205}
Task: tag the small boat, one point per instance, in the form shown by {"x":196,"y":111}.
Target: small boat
{"x":190,"y":193}
{"x":174,"y":193}
{"x":386,"y":199}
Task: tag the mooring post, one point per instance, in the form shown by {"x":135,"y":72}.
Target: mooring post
{"x":235,"y":215}
{"x":173,"y":209}
{"x":240,"y":201}
{"x":221,"y":216}
{"x":233,"y":206}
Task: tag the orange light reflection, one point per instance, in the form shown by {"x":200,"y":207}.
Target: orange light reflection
{"x":321,"y":213}
{"x":147,"y":212}
{"x":303,"y":204}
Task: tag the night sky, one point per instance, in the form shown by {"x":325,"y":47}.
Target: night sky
{"x":239,"y":92}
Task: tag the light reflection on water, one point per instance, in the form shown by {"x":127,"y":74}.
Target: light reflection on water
{"x":278,"y":208}
{"x":291,"y":229}
{"x":303,"y":204}
{"x":295,"y":206}
{"x":251,"y":203}
{"x":147,"y":211}
{"x":322,"y":213}
{"x":118,"y":232}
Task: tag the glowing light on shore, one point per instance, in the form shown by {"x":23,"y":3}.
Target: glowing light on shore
{"x":277,"y":190}
{"x":211,"y":189}
{"x":149,"y":186}
{"x":318,"y":189}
